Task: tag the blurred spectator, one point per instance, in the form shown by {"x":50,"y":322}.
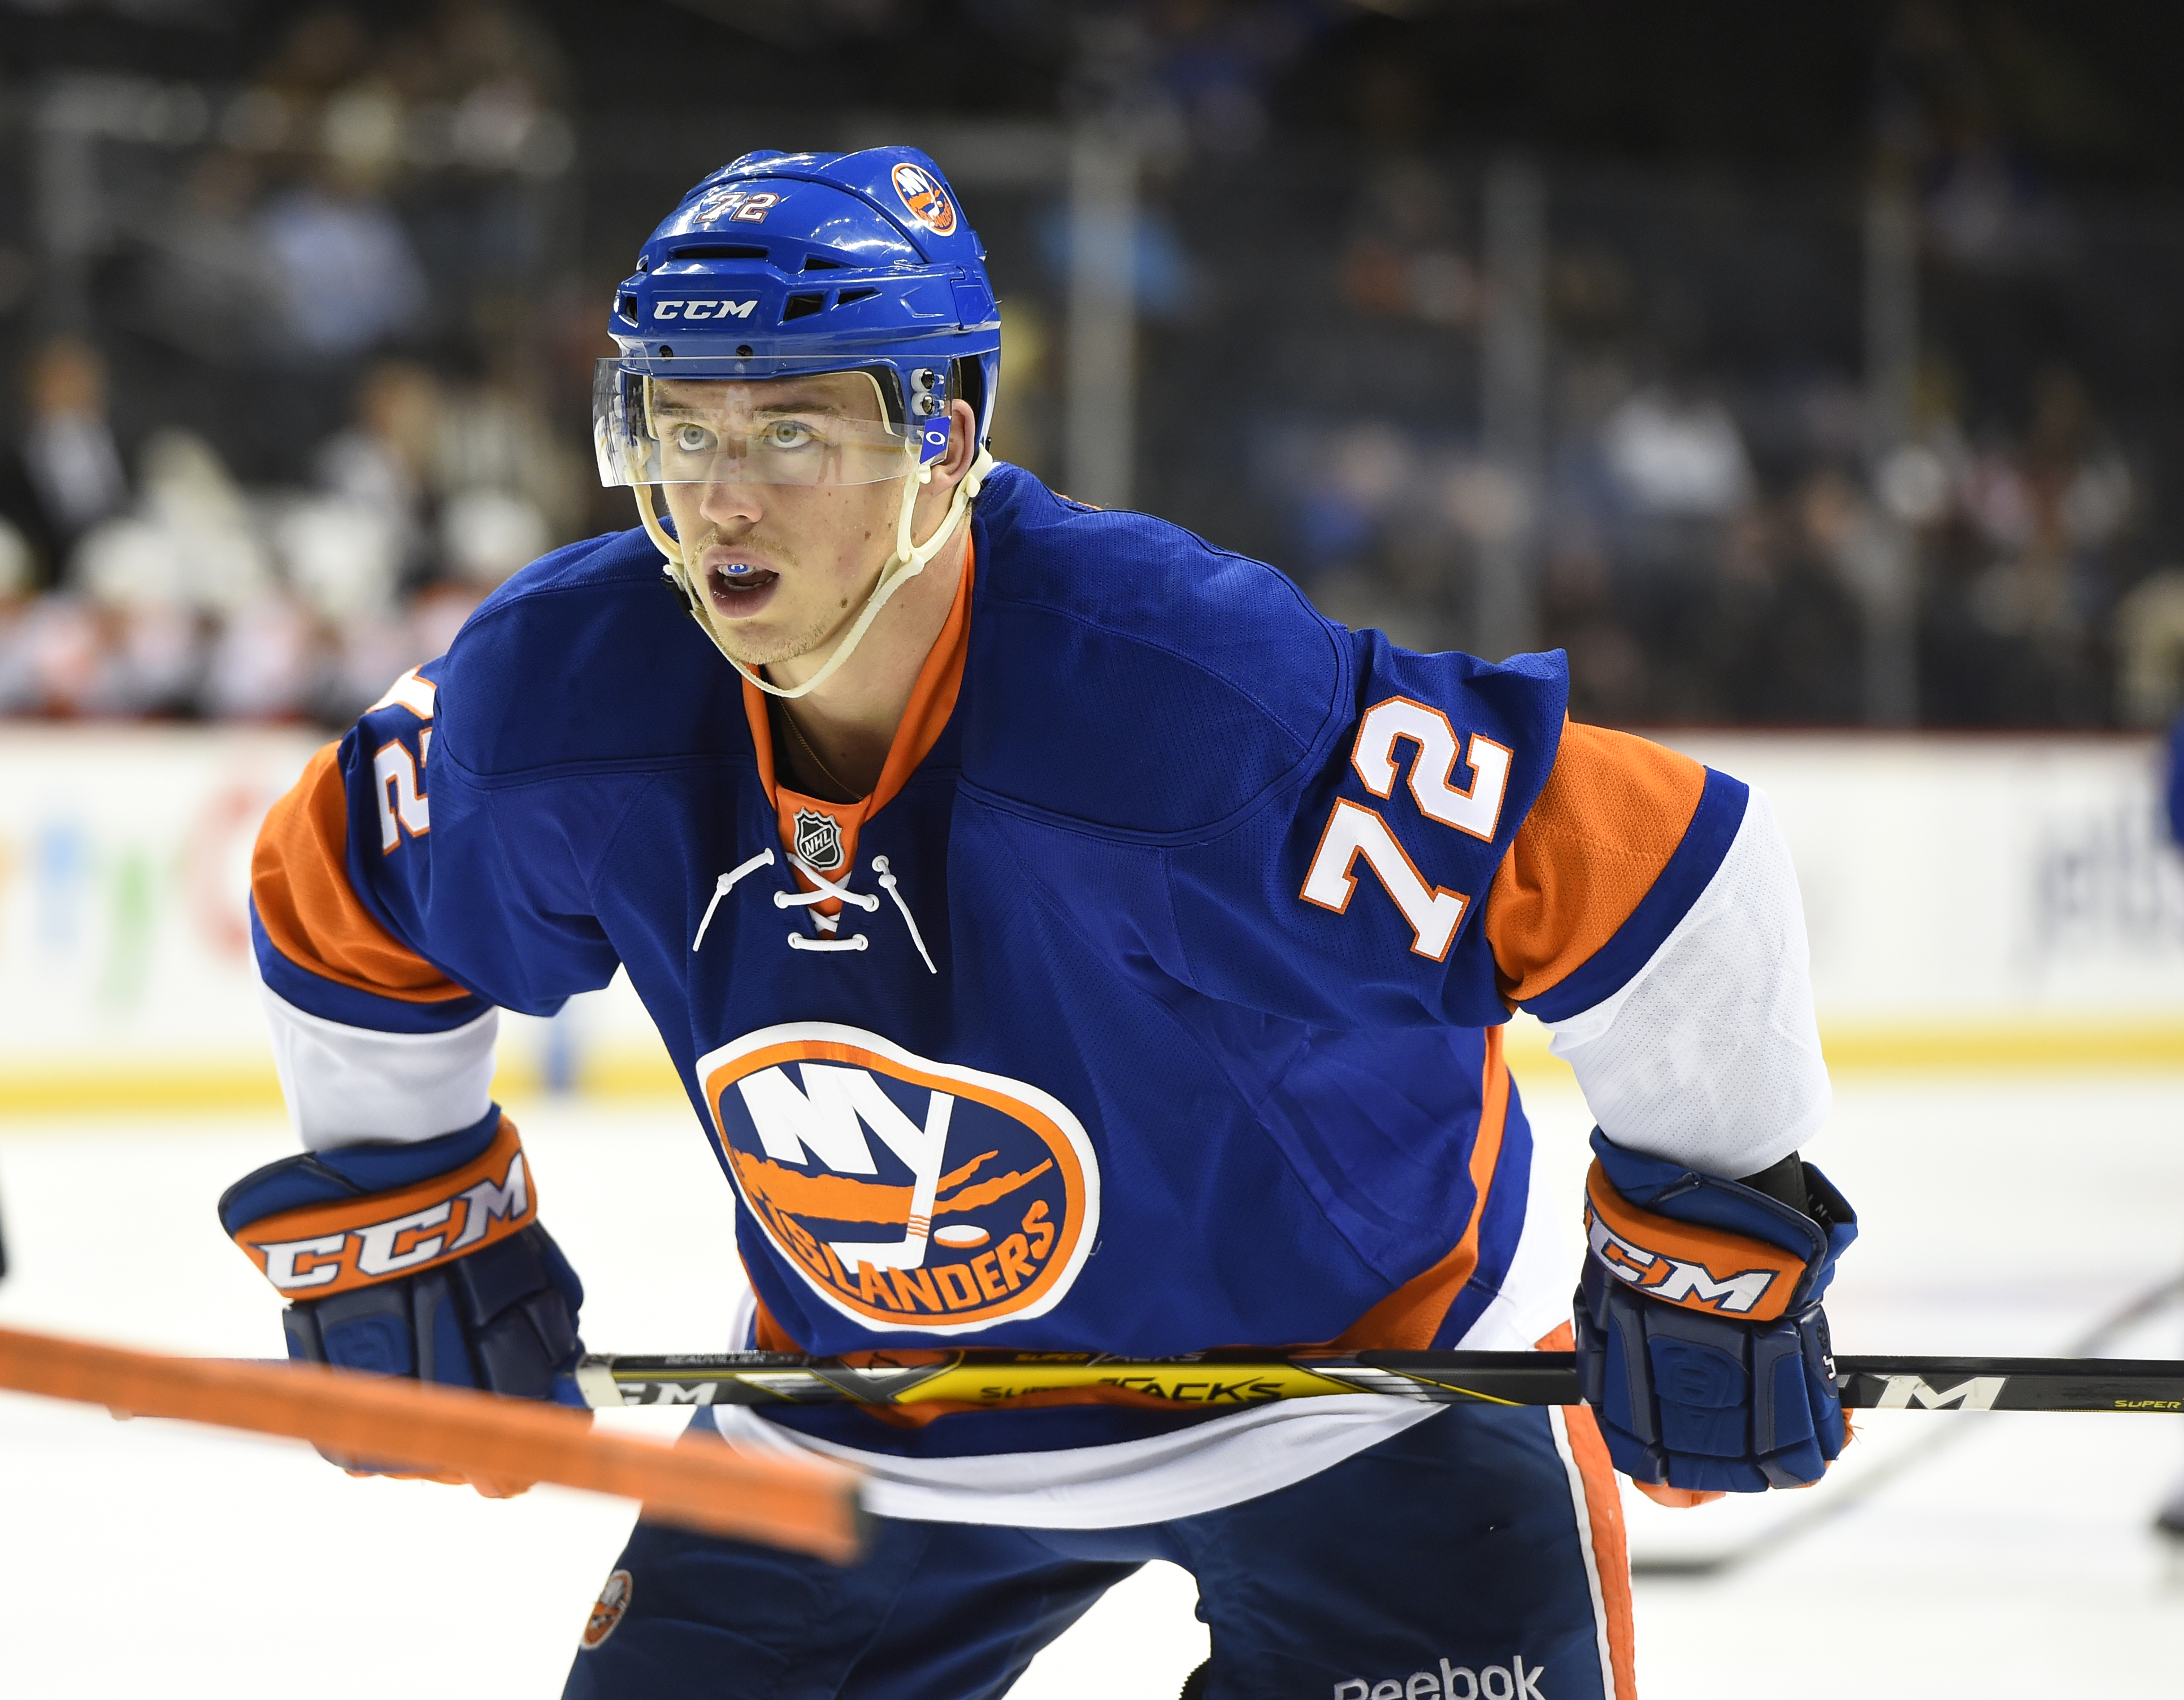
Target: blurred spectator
{"x":1678,"y":476}
{"x":1378,"y":512}
{"x":18,"y":584}
{"x":63,"y":474}
{"x":432,"y":496}
{"x":341,"y":556}
{"x":191,"y":540}
{"x":361,"y":545}
{"x":267,"y":663}
{"x":2021,"y":562}
{"x":383,"y":464}
{"x":1027,"y":408}
{"x":349,"y":279}
{"x":322,"y":50}
{"x":2149,"y":639}
{"x":494,"y":435}
{"x":1215,"y":61}
{"x":65,"y":658}
{"x":1841,"y":567}
{"x":187,"y":555}
{"x":1403,"y":259}
{"x":486,"y":535}
{"x":1677,"y":456}
{"x":210,"y":289}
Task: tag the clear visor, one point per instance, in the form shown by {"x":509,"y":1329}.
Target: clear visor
{"x":828,"y":429}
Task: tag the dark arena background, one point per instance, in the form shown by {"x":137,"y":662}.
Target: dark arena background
{"x":1813,"y":375}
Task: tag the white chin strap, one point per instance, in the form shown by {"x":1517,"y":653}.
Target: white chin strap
{"x":907,"y":562}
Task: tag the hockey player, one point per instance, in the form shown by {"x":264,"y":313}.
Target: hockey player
{"x":1069,"y":940}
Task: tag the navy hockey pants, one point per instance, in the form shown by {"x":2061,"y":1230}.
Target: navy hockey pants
{"x":1476,"y":1555}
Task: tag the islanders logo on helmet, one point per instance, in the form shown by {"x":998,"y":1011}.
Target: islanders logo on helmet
{"x":910,"y":1196}
{"x":925,"y":196}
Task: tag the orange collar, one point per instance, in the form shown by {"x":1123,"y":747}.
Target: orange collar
{"x":932,"y":700}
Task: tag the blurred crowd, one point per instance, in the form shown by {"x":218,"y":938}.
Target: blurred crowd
{"x":180,"y":593}
{"x":1709,"y":557}
{"x":301,"y":364}
{"x":306,"y":414}
{"x":1711,"y":529}
{"x":1698,"y":571}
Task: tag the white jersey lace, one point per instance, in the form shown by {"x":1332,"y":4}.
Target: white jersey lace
{"x":826,"y":935}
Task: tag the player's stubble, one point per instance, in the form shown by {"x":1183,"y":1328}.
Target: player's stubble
{"x":818,"y":615}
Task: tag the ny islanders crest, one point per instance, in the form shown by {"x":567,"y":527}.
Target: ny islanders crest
{"x":909,"y":1195}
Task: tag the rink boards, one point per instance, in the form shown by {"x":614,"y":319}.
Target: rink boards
{"x":1971,"y":900}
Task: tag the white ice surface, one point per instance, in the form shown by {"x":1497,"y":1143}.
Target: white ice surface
{"x":2002,"y":1215}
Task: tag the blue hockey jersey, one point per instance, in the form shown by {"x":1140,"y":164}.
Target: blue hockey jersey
{"x":1152,"y":1002}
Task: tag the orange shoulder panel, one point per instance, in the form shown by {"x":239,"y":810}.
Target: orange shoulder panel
{"x":299,"y":880}
{"x":1612,"y":812}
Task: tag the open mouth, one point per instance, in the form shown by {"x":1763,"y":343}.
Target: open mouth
{"x":737,"y":582}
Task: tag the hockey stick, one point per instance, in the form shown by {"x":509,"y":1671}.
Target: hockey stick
{"x":1861,"y":1487}
{"x":1229,"y":1381}
{"x":809,"y":1506}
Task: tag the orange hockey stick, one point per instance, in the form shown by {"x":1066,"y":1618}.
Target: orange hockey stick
{"x":811,"y":1506}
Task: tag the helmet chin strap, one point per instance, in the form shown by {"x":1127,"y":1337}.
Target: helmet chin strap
{"x":908,"y":561}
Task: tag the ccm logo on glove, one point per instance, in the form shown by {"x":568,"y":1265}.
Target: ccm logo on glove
{"x":324,"y":1249}
{"x":1682,"y":1263}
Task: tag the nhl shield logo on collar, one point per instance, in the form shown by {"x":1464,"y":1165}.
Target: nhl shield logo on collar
{"x":818,"y":839}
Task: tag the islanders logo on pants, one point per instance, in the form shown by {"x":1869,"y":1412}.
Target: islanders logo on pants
{"x":909,"y":1195}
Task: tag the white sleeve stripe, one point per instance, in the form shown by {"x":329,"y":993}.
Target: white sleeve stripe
{"x":1709,"y":1056}
{"x":344,"y":1083}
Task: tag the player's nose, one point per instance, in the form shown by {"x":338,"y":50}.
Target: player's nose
{"x":731,"y":501}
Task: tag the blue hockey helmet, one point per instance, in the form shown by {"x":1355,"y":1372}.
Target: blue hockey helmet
{"x":786,"y":265}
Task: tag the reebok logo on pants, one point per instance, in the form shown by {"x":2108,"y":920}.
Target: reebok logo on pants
{"x":1512,"y":1681}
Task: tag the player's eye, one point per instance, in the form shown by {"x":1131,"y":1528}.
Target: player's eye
{"x":691,"y":439}
{"x":789,"y":433}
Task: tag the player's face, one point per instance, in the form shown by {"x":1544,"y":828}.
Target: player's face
{"x":782,"y":567}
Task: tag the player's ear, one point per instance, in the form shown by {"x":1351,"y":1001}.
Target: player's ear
{"x":962,"y":446}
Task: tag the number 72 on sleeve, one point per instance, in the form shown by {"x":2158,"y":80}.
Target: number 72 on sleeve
{"x":1355,"y":830}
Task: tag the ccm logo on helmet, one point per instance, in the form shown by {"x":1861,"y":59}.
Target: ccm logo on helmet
{"x":1692,"y":1285}
{"x":704,"y":309}
{"x":910,"y":1195}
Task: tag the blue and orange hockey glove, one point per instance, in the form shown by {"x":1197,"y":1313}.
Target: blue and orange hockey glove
{"x":1700,"y":1343}
{"x":425,"y":1260}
